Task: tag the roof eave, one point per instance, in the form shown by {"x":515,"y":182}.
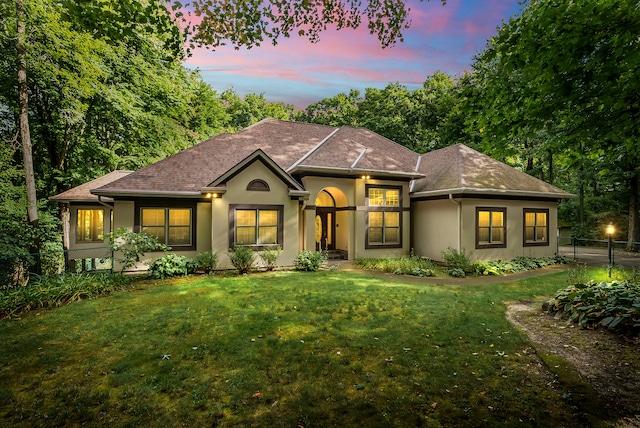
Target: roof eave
{"x":148,"y":193}
{"x":493,"y":192}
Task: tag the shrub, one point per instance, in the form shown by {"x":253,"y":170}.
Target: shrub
{"x":614,"y":305}
{"x":207,"y":262}
{"x":171,"y":265}
{"x":455,"y":259}
{"x":132,"y":246}
{"x":270,"y":257}
{"x":242,"y":258}
{"x":309,"y":261}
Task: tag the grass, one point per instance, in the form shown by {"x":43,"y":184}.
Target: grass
{"x":280,"y":349}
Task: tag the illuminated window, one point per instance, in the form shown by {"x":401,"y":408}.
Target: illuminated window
{"x":491,"y":227}
{"x":536,"y":227}
{"x":384,"y":217}
{"x":256,"y":225}
{"x":172,"y":226}
{"x":90,"y":225}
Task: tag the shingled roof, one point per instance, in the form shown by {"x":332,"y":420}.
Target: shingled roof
{"x":459,"y":169}
{"x":294,"y":147}
{"x":82,"y":193}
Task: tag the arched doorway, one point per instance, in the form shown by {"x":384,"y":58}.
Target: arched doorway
{"x":325,"y":221}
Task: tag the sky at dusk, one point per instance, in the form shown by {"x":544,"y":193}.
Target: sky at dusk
{"x":443,"y":38}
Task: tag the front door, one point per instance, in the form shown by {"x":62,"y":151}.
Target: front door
{"x":325,"y":229}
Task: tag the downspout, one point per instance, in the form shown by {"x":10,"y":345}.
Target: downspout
{"x":459,"y":228}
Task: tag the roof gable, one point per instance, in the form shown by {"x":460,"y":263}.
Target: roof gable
{"x":460,"y":169}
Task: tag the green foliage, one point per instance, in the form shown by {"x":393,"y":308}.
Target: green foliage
{"x":172,"y":265}
{"x":58,"y":290}
{"x":456,"y":261}
{"x":128,"y":247}
{"x":614,"y":305}
{"x":309,"y":261}
{"x":456,"y":272}
{"x":518,"y":264}
{"x":207,"y":262}
{"x":411,"y":265}
{"x":242,"y":258}
{"x":270,"y":257}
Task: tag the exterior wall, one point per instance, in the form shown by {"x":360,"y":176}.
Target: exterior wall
{"x":351,"y":218}
{"x":434,"y":228}
{"x":237,"y":193}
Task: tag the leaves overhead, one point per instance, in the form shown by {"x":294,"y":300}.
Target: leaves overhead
{"x":248,"y":23}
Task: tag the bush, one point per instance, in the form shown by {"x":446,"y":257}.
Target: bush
{"x":132,"y":246}
{"x":270,"y":257}
{"x":456,"y":260}
{"x":242,"y":258}
{"x":207,"y":262}
{"x":614,"y":305}
{"x":171,"y":265}
{"x":457,"y":272}
{"x":309,"y":261}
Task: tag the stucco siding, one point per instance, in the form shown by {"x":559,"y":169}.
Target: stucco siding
{"x":435,"y":227}
{"x":237,"y":193}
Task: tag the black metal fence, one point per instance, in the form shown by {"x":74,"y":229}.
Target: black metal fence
{"x":15,"y":270}
{"x":601,"y":252}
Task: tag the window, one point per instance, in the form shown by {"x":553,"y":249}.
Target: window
{"x":536,"y":227}
{"x":491,"y":226}
{"x":384,"y":217}
{"x":90,"y":225}
{"x":258,"y":185}
{"x":257,"y":225}
{"x":172,"y":226}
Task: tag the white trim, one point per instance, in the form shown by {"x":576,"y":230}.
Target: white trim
{"x":353,"y":165}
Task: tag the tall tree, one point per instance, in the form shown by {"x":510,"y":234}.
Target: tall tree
{"x":563,"y":78}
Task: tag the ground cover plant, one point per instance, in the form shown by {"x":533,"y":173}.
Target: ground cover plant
{"x":613,"y":305}
{"x":405,"y":265}
{"x":44,"y":291}
{"x":281,"y":349}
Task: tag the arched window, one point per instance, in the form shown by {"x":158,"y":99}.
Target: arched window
{"x":324,"y":199}
{"x":258,"y":185}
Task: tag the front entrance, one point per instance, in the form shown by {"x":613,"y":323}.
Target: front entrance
{"x":325,"y":228}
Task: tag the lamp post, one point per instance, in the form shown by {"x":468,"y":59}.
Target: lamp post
{"x":610,"y":230}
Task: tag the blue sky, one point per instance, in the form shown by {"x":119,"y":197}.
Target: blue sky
{"x":443,"y":38}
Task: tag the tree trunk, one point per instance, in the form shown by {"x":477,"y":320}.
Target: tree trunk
{"x":23,"y":119}
{"x":634,"y":221}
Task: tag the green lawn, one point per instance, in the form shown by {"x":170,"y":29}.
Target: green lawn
{"x":281,"y":349}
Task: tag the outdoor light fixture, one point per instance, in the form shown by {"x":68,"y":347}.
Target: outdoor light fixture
{"x":610,"y":231}
{"x":366,"y":177}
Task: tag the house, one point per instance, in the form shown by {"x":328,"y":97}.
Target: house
{"x":303,"y":186}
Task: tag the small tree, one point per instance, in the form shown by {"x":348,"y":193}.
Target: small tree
{"x":132,"y":246}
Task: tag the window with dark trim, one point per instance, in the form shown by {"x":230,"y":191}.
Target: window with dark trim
{"x":535,"y":226}
{"x":256,"y":225}
{"x":491,"y":227}
{"x":90,"y":225}
{"x":384,"y":216}
{"x":172,"y":226}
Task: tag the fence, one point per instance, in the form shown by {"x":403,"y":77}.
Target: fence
{"x":595,"y":252}
{"x":15,"y":270}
